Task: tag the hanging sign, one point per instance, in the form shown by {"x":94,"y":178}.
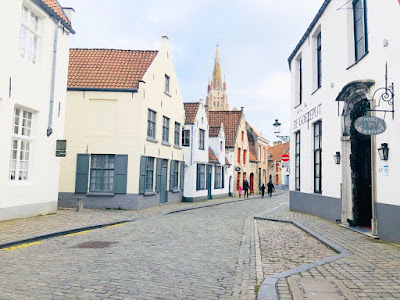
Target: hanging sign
{"x":370,"y":125}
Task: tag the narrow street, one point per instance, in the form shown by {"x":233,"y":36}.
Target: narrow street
{"x":205,"y":253}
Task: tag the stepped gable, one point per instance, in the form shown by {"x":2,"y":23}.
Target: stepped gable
{"x":103,"y":69}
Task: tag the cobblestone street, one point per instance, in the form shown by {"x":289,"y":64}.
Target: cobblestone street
{"x":216,"y":252}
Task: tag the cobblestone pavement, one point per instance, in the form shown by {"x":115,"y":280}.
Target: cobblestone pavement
{"x":371,"y":272}
{"x":206,"y":253}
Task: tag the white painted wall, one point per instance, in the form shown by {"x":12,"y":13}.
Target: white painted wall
{"x":337,"y":70}
{"x":31,"y":85}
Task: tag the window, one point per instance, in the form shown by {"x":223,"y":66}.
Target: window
{"x":317,"y":156}
{"x":201,"y":173}
{"x":238,"y":181}
{"x":201,"y":139}
{"x":217,"y":178}
{"x":300,"y":82}
{"x":319,"y":61}
{"x":239,"y":155}
{"x":102,"y":173}
{"x":264,"y":156}
{"x":185,"y":138}
{"x":242,"y":135}
{"x":177,"y":133}
{"x":221,"y":145}
{"x":360,"y":28}
{"x":148,"y":185}
{"x":244,"y":156}
{"x":297,"y":161}
{"x":151,"y":124}
{"x":259,"y":153}
{"x":175,"y":172}
{"x":166,"y":83}
{"x":21,"y":144}
{"x":29,"y":36}
{"x":264,"y":176}
{"x":165,"y":130}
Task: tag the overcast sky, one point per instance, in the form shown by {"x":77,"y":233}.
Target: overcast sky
{"x":255,"y":39}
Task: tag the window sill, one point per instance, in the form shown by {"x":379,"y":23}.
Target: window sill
{"x":185,"y":145}
{"x":100,"y":194}
{"x":150,"y":139}
{"x":177,"y":147}
{"x":358,"y":60}
{"x":176,"y":191}
{"x":168,"y":93}
{"x":149,"y":194}
{"x":316,"y":90}
{"x":166,"y":144}
{"x":201,"y":149}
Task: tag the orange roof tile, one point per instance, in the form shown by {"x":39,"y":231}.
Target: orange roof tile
{"x":191,"y":109}
{"x":256,"y":132}
{"x":212,"y":159}
{"x":231,"y":121}
{"x":227,"y":161}
{"x":57,"y":9}
{"x":107,"y":68}
{"x":214,"y":131}
{"x":278,"y":150}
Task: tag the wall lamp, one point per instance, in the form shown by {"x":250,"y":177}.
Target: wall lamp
{"x":277,"y":131}
{"x":384,"y":151}
{"x":336,"y":157}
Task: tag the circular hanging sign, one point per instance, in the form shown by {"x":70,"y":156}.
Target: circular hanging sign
{"x":285,"y":158}
{"x":370,"y":125}
{"x":237,"y":169}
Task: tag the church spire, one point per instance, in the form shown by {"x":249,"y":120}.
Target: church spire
{"x":217,"y":77}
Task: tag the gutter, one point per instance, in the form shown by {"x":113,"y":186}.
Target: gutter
{"x":53,"y":80}
{"x":53,"y":14}
{"x":91,"y":89}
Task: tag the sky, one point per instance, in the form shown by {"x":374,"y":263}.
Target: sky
{"x":255,"y":39}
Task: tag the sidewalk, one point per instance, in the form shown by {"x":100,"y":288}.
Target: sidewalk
{"x":67,"y":220}
{"x":371,"y":271}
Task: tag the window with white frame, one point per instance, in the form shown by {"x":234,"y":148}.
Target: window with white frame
{"x":297,"y":161}
{"x":200,"y":178}
{"x":177,"y":133}
{"x":217,"y":177}
{"x":176,"y":175}
{"x":201,"y":139}
{"x":166,"y":83}
{"x":299,"y":87}
{"x":21,"y":144}
{"x":360,"y":28}
{"x":165,"y":130}
{"x":29,"y":35}
{"x":151,"y":124}
{"x":185,"y":138}
{"x":319,"y":61}
{"x":102,"y":169}
{"x":317,"y":157}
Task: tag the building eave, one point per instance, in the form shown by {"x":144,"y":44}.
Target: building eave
{"x":48,"y":10}
{"x":89,"y":89}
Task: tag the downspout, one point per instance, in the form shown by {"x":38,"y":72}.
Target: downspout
{"x":53,"y":81}
{"x":191,"y":148}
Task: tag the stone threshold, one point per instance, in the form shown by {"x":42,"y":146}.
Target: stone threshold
{"x":361,"y":230}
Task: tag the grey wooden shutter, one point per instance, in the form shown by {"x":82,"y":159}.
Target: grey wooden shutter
{"x":182,"y":174}
{"x":142,"y":174}
{"x":223,"y":177}
{"x":121,"y":174}
{"x":82,"y":174}
{"x":158,"y":177}
{"x":172,"y":177}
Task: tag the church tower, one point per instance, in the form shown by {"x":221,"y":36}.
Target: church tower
{"x":217,"y":98}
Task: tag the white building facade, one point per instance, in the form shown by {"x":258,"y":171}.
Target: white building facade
{"x":337,"y":72}
{"x":33,"y":82}
{"x":123,"y":129}
{"x":208,"y":167}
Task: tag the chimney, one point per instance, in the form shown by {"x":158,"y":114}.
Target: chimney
{"x":69,"y":11}
{"x":277,"y":143}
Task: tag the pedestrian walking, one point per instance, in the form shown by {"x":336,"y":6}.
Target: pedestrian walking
{"x":262,"y":189}
{"x":246,"y":188}
{"x":271,"y":188}
{"x":240,"y":191}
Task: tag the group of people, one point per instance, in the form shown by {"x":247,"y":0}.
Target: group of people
{"x":270,"y":188}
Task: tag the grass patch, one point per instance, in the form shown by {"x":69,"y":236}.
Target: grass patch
{"x":256,"y":289}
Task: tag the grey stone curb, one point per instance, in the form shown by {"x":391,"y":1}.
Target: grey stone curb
{"x":267,"y":289}
{"x":102,"y":225}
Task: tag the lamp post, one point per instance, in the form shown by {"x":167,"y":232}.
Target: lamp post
{"x":277,"y":131}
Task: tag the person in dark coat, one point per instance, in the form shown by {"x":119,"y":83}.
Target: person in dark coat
{"x":271,"y":188}
{"x":246,"y":188}
{"x":262,"y":189}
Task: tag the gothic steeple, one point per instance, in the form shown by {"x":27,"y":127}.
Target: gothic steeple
{"x":217,"y":77}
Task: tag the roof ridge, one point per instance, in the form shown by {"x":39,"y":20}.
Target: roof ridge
{"x":115,"y":49}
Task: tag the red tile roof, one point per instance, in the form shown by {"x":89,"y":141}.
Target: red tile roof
{"x":227,"y":161}
{"x":107,"y":68}
{"x":214,"y":131}
{"x":252,"y":147}
{"x":191,"y":109}
{"x":256,"y":132}
{"x":212,"y":159}
{"x":231,"y":121}
{"x":278,"y":150}
{"x":57,"y":9}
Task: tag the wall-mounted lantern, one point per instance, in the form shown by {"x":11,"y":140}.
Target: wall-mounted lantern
{"x":336,"y":157}
{"x":384,"y":151}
